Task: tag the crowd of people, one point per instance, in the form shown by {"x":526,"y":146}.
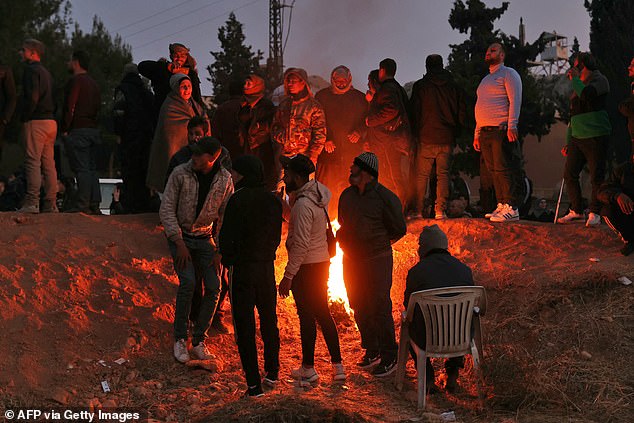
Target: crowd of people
{"x":373,"y":160}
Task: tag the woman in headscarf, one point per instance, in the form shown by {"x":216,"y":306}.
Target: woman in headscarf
{"x":171,"y":130}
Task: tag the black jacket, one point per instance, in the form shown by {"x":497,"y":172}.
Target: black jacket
{"x":37,"y":86}
{"x":388,"y":120}
{"x":437,"y":269}
{"x":252,"y":226}
{"x":7,"y":94}
{"x":438,"y":109}
{"x":370,"y":222}
{"x":621,"y":181}
{"x":225,"y":126}
{"x":132,"y":112}
{"x":626,"y":107}
{"x":255,"y":136}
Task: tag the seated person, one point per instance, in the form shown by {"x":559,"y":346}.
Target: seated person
{"x":616,"y":195}
{"x":541,"y":213}
{"x":437,"y":268}
{"x":458,"y":207}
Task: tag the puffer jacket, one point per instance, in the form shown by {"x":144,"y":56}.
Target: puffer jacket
{"x":178,"y":207}
{"x":299,"y":127}
{"x":306,"y":242}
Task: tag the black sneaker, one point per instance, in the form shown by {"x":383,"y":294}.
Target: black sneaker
{"x":271,"y":379}
{"x":254,"y":392}
{"x":627,"y":249}
{"x":385,"y":368}
{"x":369,"y":360}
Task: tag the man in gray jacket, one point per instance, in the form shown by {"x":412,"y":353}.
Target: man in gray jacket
{"x":193,"y":205}
{"x":306,"y":272}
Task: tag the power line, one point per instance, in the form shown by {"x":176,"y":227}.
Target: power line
{"x":173,"y":18}
{"x":151,"y":16}
{"x":195,"y":25}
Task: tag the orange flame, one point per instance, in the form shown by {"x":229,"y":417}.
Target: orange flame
{"x":336,"y":287}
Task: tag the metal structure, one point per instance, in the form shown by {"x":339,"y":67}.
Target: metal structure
{"x":554,"y":57}
{"x":275,"y":62}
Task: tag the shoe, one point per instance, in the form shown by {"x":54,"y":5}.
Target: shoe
{"x":440,"y":216}
{"x":627,"y":249}
{"x":29,"y":209}
{"x":593,"y":220}
{"x":570,"y":217}
{"x":218,"y":326}
{"x":305,"y":376}
{"x":200,"y":352}
{"x":271,"y":379}
{"x":338,"y":372}
{"x":384,"y":368}
{"x":414,"y":216}
{"x":452,"y":380}
{"x":494,"y":212}
{"x":369,"y":360}
{"x":507,"y":214}
{"x":254,"y":392}
{"x":180,"y":351}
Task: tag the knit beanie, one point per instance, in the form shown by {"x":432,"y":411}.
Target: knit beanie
{"x":175,"y":81}
{"x":251,"y":168}
{"x":369,"y":162}
{"x":432,"y":237}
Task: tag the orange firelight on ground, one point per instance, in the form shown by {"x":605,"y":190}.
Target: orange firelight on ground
{"x":336,"y":288}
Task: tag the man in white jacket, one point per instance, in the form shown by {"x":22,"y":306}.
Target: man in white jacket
{"x":306,"y":272}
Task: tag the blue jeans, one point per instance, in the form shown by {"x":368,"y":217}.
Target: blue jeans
{"x":202,"y":252}
{"x":81,"y":151}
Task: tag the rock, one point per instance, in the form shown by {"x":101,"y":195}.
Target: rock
{"x":61,"y":396}
{"x":131,"y":376}
{"x":131,"y":342}
{"x":585,"y":355}
{"x":203,"y":364}
{"x":141,"y":391}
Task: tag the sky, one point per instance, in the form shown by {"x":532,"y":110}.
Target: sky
{"x":323,"y":33}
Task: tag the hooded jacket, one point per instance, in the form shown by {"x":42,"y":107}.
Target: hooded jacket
{"x":251,"y":230}
{"x":306,"y":242}
{"x":438,"y":108}
{"x":178,"y":206}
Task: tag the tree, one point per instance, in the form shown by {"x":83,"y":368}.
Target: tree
{"x":466,"y":62}
{"x":612,"y":43}
{"x":234,"y":62}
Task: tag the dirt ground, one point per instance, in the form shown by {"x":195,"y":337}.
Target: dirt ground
{"x":78,"y":292}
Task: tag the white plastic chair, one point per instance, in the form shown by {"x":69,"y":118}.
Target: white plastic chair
{"x":449,"y":314}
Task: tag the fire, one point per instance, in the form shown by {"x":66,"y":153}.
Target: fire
{"x":336,"y":288}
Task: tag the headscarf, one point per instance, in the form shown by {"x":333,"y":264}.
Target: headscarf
{"x":341,"y":72}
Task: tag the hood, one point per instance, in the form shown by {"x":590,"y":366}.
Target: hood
{"x":441,"y":77}
{"x":252,"y":170}
{"x":599,"y":82}
{"x":315,"y":191}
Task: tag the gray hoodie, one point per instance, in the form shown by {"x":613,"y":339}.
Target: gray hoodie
{"x":306,"y":242}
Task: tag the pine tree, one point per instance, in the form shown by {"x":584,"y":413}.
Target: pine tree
{"x":466,"y":62}
{"x":234,"y":62}
{"x":612,"y":43}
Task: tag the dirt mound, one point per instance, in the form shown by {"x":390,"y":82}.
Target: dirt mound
{"x":80,"y":292}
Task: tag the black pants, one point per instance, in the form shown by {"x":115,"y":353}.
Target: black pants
{"x":310,"y":290}
{"x":135,"y":153}
{"x":499,"y":156}
{"x":368,"y":284}
{"x":619,"y":221}
{"x":253,"y":285}
{"x":580,"y":152}
{"x":417,"y":334}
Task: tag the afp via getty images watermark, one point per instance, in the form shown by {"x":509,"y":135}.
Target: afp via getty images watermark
{"x":121,"y":415}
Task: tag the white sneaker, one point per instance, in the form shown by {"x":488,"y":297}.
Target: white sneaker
{"x":570,"y":217}
{"x":200,"y":352}
{"x":338,"y":372}
{"x":180,"y":351}
{"x":35,"y":209}
{"x":499,"y":208}
{"x":507,"y":214}
{"x":440,"y":216}
{"x":305,"y":376}
{"x":593,"y":220}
